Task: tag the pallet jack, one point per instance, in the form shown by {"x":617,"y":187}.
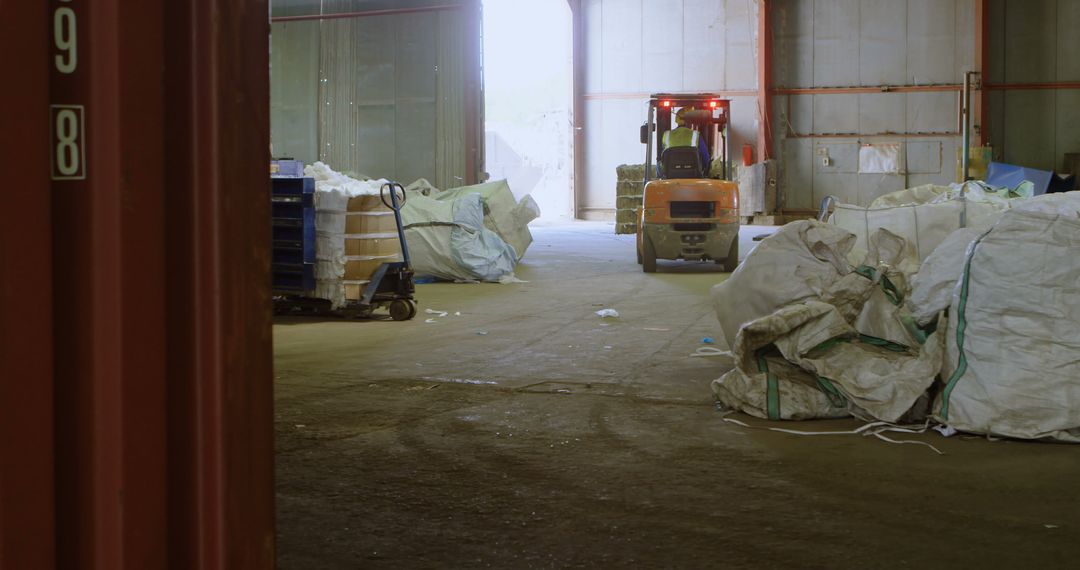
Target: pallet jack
{"x":392,"y":283}
{"x":391,"y":286}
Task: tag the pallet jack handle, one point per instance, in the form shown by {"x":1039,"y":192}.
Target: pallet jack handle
{"x":396,"y":204}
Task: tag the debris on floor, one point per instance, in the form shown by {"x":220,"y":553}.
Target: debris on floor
{"x":973,"y":330}
{"x":607,"y":314}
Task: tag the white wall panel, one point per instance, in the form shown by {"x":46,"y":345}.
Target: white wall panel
{"x":1068,"y":126}
{"x":932,"y":112}
{"x":740,"y":33}
{"x":793,"y":37}
{"x":836,"y":43}
{"x":1068,"y":40}
{"x":931,"y":45}
{"x":1031,"y":40}
{"x":703,"y":41}
{"x":594,"y":36}
{"x":621,"y":46}
{"x":882,"y":113}
{"x":1030,"y":128}
{"x":797,"y":175}
{"x":663,"y":45}
{"x":836,"y":114}
{"x":882,"y":42}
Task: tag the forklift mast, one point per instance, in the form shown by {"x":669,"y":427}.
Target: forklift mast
{"x":711,"y":116}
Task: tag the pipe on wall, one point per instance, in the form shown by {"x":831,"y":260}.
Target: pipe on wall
{"x":365,"y":13}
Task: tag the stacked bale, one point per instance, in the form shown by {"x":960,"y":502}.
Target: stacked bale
{"x":371,"y":239}
{"x":628,"y":192}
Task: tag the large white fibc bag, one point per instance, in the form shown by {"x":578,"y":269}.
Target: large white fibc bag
{"x":447,"y":239}
{"x":932,"y":286}
{"x":796,"y":263}
{"x":1012,"y":365}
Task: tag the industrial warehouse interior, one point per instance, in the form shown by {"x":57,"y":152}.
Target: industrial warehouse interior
{"x":542,"y":284}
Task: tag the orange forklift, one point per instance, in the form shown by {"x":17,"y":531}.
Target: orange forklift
{"x":687,"y":214}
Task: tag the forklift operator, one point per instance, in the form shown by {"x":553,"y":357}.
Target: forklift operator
{"x":685,"y":135}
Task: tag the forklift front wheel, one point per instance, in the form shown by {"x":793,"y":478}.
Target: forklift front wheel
{"x":402,"y":310}
{"x":648,"y":255}
{"x":732,"y":261}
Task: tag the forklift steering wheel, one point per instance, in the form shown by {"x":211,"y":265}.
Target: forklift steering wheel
{"x":394,"y":187}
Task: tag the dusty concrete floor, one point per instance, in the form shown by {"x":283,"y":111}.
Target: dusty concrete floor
{"x":556,"y":441}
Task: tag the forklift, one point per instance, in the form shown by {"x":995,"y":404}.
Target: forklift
{"x":687,"y":214}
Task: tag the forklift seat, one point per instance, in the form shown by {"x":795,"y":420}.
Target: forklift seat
{"x":681,"y":162}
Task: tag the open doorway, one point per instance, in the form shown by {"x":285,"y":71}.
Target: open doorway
{"x":528,"y":84}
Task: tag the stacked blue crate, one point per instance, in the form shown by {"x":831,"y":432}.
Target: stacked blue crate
{"x":293,"y":209}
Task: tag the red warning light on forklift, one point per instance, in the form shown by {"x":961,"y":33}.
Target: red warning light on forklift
{"x":713,"y":104}
{"x":666,"y":103}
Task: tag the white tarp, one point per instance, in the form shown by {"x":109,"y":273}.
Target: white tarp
{"x":503,"y":214}
{"x":447,"y":239}
{"x":924,"y":216}
{"x":1012,"y":366}
{"x":881,"y":158}
{"x":796,"y":263}
{"x":993,"y":314}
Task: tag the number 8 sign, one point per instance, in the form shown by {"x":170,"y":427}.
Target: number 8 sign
{"x":68,"y":142}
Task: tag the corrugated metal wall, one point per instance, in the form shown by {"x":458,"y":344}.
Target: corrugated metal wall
{"x":636,"y":47}
{"x":1034,"y":41}
{"x":867,"y":43}
{"x":383,"y":96}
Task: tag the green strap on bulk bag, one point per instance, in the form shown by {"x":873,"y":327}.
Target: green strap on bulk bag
{"x":961,"y":328}
{"x":772,"y":387}
{"x":891,"y":292}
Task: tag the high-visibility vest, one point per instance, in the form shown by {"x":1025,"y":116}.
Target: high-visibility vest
{"x":681,"y":136}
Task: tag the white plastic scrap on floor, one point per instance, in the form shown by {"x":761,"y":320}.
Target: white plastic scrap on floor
{"x":607,"y":314}
{"x":978,"y":334}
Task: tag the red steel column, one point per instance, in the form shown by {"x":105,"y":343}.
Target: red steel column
{"x":578,"y":109}
{"x":765,"y":80}
{"x":108,"y":254}
{"x":217,"y":242}
{"x":982,"y":65}
{"x":27,"y":523}
{"x":474,"y":92}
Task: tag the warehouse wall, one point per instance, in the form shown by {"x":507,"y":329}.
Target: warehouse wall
{"x":867,"y":43}
{"x":637,"y":47}
{"x":1034,"y":41}
{"x":383,"y":96}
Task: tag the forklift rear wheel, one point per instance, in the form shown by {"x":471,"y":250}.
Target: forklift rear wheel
{"x":402,"y":310}
{"x":732,"y":261}
{"x":412,"y":309}
{"x":648,"y":256}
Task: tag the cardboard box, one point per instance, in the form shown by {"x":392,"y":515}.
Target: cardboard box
{"x":361,"y":270}
{"x":353,"y":291}
{"x":379,"y":223}
{"x":375,"y":247}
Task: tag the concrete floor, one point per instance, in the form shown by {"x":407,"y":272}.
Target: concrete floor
{"x":528,"y":432}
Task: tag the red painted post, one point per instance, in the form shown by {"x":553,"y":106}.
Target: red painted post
{"x":765,"y":80}
{"x":27,"y":506}
{"x":135,"y":284}
{"x":982,"y":65}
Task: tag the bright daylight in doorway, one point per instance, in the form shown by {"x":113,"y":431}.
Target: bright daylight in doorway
{"x":528,"y":84}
